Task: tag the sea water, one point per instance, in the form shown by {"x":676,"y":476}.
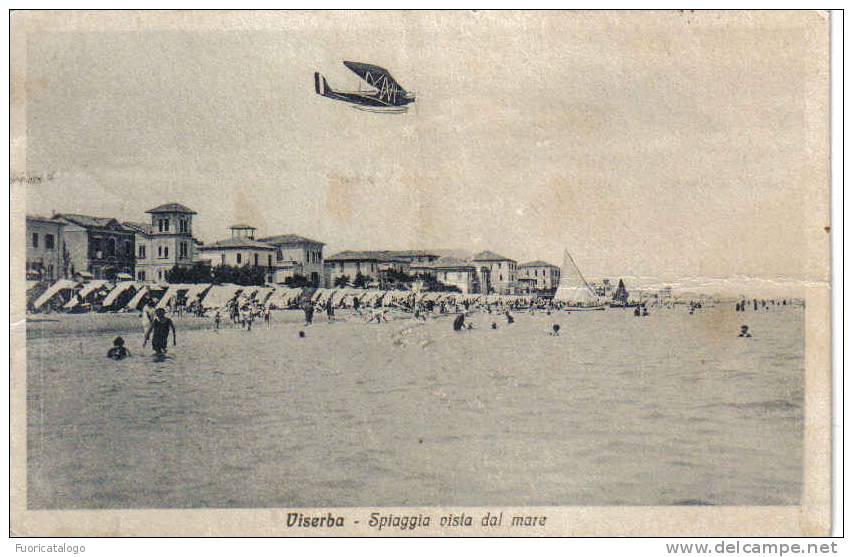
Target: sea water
{"x":669,"y":409}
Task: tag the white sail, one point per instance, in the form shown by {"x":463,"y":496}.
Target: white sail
{"x":573,"y":288}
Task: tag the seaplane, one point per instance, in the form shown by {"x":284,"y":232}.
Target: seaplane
{"x":385,"y":96}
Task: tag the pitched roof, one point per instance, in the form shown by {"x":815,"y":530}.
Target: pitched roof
{"x":39,"y":218}
{"x":490,"y":256}
{"x":140,"y":227}
{"x":283,"y":239}
{"x":172,"y":208}
{"x":87,"y":221}
{"x":237,"y":243}
{"x":351,"y":255}
{"x":446,"y":263}
{"x":537,"y":264}
{"x":410,"y":253}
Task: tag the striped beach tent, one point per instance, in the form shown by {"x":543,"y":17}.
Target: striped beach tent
{"x":56,"y":289}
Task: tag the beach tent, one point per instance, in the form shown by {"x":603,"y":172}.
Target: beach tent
{"x":346,"y":296}
{"x":87,"y":290}
{"x":322,"y":294}
{"x":372,"y":297}
{"x":137,"y":298}
{"x":284,"y":297}
{"x":264,"y":294}
{"x":196,"y":292}
{"x":172,"y":293}
{"x":249,"y":293}
{"x":277,"y":298}
{"x":220,"y":294}
{"x":113,"y":299}
{"x":288,"y":297}
{"x":62,"y":285}
{"x":396,"y":296}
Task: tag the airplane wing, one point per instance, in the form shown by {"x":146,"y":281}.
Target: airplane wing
{"x":376,"y":77}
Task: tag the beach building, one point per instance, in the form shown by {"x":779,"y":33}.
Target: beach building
{"x":241,"y":249}
{"x":350,"y":263}
{"x":502,"y":272}
{"x":296,"y":255}
{"x":539,"y":276}
{"x":46,"y":254}
{"x":164,"y":243}
{"x":451,"y":271}
{"x":97,"y":247}
{"x":375,"y":264}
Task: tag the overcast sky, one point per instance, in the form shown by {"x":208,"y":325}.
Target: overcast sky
{"x":666,"y":145}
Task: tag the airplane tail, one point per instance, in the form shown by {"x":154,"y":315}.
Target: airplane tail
{"x":320,"y":85}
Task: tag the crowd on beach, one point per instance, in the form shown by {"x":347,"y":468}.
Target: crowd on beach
{"x":241,"y":311}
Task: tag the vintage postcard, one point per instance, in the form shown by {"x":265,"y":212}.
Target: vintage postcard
{"x":402,"y":273}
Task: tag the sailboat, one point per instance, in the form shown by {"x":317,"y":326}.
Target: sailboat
{"x":574,"y":292}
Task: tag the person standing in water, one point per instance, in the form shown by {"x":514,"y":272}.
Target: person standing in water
{"x":160,"y":327}
{"x":459,"y":322}
{"x":308,"y":308}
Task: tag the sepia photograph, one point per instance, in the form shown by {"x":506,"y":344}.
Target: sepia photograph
{"x":458,"y":273}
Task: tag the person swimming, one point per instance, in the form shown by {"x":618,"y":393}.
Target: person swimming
{"x":160,"y":328}
{"x":555,"y":331}
{"x":744,"y":332}
{"x":118,"y":351}
{"x":301,"y":334}
{"x":494,"y":325}
{"x":509,"y":318}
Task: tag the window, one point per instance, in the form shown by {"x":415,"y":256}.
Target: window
{"x":256,"y":260}
{"x":165,"y":252}
{"x":222,"y":258}
{"x":111,"y":247}
{"x":48,"y":241}
{"x":128,"y":249}
{"x":35,"y":239}
{"x":165,"y":225}
{"x":182,"y":225}
{"x":182,"y":250}
{"x":141,"y":252}
{"x":269,"y":261}
{"x":160,"y":274}
{"x":160,"y":252}
{"x":160,"y":225}
{"x":140,"y":275}
{"x":239,"y":258}
{"x":98,"y":245}
{"x":278,"y":255}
